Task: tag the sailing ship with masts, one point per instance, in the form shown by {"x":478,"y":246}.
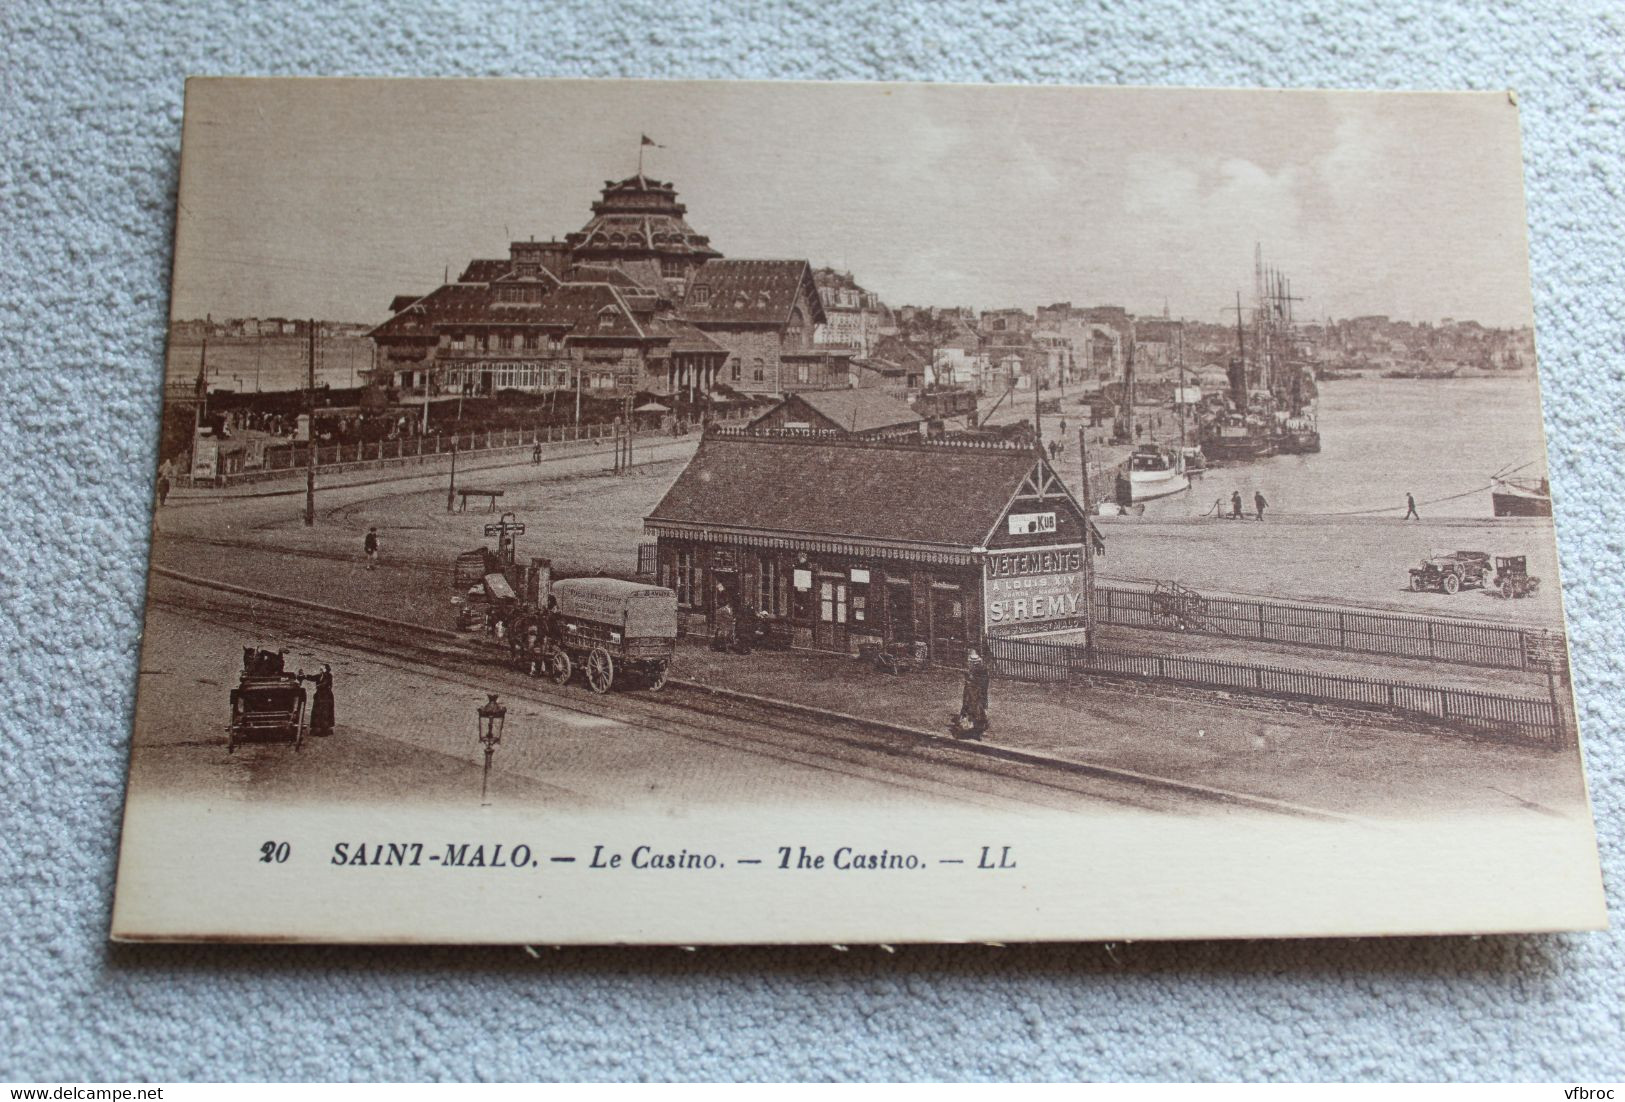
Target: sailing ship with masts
{"x":1270,"y":407}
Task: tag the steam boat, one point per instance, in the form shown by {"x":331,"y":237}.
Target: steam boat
{"x":1521,"y":497}
{"x":1151,"y":472}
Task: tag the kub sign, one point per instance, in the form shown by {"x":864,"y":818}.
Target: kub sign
{"x":1031,"y":524}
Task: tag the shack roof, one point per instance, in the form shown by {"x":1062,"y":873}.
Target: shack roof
{"x":852,"y":410}
{"x":931,"y":495}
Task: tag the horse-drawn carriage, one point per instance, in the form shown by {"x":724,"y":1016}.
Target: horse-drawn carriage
{"x":268,"y":704}
{"x":610,"y":630}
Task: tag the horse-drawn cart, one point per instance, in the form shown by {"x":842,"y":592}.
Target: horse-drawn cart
{"x":268,"y":704}
{"x":609,"y":629}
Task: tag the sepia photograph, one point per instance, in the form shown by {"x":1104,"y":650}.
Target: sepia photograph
{"x":696,"y":512}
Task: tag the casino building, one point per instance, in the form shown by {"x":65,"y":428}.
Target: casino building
{"x":843,"y":541}
{"x":633,"y":302}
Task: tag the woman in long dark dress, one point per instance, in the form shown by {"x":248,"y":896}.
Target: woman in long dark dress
{"x":321,"y":711}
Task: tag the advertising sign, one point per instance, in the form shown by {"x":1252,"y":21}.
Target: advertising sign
{"x":1027,"y":524}
{"x":1033,"y":586}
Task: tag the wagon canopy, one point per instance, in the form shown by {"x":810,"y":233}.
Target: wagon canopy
{"x":643,"y":610}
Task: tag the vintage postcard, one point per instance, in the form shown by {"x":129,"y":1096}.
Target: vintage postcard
{"x":637,"y":512}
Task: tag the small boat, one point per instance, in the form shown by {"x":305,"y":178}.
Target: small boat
{"x":1195,"y":461}
{"x":1151,"y":472}
{"x":1521,"y":497}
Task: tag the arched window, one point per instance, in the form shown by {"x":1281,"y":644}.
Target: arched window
{"x":758,"y":370}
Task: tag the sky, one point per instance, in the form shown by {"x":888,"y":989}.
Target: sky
{"x":326,"y":198}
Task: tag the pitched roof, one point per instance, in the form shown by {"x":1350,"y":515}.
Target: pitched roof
{"x":683,"y":336}
{"x":892,"y":493}
{"x":748,"y":291}
{"x":484,"y":271}
{"x":857,"y":411}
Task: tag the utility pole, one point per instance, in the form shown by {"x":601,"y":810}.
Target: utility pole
{"x":1088,"y":548}
{"x":1038,"y":409}
{"x":310,"y":423}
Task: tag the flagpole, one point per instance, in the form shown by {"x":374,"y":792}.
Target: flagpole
{"x":640,"y":154}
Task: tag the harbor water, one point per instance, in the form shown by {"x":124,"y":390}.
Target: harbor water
{"x":1438,"y":439}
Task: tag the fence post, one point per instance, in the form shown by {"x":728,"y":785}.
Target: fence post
{"x":1431,"y":654}
{"x":1342,"y":632}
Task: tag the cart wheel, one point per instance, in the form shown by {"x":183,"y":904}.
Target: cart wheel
{"x":299,"y":727}
{"x":559,"y":666}
{"x":658,"y":672}
{"x":1451,"y":583}
{"x":1416,"y":583}
{"x":600,"y":670}
{"x":1506,"y":591}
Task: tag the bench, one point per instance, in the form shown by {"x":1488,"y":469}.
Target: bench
{"x":490,"y":496}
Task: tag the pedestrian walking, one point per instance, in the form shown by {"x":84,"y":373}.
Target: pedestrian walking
{"x":1259,"y":503}
{"x":370,"y":546}
{"x":1235,"y":505}
{"x":972,"y":719}
{"x":1410,"y":508}
{"x":163,"y":490}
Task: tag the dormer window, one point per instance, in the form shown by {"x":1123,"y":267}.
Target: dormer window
{"x":701,"y":294}
{"x":606,"y":320}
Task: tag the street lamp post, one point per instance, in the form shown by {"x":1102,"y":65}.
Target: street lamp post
{"x":457,"y":429}
{"x":489,"y":728}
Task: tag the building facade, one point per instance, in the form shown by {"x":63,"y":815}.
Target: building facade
{"x":837,"y":543}
{"x":633,"y":302}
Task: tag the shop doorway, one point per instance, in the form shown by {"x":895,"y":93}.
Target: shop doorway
{"x":900,"y":611}
{"x":947,"y":625}
{"x":829,"y":632}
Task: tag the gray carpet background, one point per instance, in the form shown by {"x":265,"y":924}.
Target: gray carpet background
{"x":90,"y":121}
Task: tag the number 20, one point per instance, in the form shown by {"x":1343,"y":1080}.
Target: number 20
{"x":274,"y":851}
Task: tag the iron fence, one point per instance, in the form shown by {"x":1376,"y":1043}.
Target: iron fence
{"x":1502,"y":646}
{"x":1530,"y":719}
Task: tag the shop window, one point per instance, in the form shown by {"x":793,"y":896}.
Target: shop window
{"x":683,"y":577}
{"x":832,"y":602}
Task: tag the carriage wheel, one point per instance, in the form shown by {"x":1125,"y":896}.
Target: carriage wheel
{"x":1451,"y":583}
{"x":559,"y":666}
{"x":600,"y":670}
{"x":658,"y":672}
{"x":1506,"y":591}
{"x":1417,"y":585}
{"x":299,"y":727}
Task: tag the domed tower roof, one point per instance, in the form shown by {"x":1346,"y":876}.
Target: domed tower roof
{"x":637,"y":219}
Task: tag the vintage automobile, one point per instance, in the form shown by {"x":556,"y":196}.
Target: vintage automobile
{"x":1512,"y":578}
{"x":609,"y":629}
{"x":1451,"y":571}
{"x":268,"y":704}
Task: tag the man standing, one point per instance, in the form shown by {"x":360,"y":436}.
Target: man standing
{"x":972,"y":718}
{"x":1235,"y":505}
{"x":1410,"y":508}
{"x":536,"y":454}
{"x":163,"y":490}
{"x":1259,"y":503}
{"x":370,"y":546}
